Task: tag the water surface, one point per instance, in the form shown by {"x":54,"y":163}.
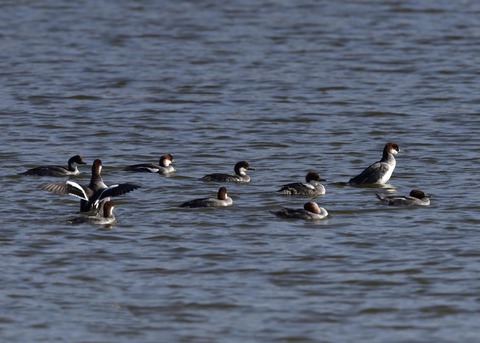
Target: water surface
{"x":290,"y":86}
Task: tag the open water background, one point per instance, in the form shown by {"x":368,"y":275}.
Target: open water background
{"x":289,"y":86}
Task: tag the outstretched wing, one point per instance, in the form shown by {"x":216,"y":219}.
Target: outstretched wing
{"x":66,"y":188}
{"x":113,"y":191}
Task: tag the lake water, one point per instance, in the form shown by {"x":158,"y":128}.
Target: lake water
{"x":290,"y":86}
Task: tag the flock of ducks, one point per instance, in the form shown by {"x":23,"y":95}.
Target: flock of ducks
{"x":97,"y":207}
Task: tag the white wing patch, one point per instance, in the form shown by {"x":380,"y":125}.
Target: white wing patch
{"x":76,"y":190}
{"x":309,"y":186}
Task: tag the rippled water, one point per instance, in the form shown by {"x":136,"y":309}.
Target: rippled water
{"x":290,"y":86}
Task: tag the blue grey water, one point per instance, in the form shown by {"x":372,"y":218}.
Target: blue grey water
{"x":289,"y":86}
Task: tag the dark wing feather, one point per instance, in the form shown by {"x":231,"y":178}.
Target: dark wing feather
{"x":113,"y":191}
{"x":371,"y":174}
{"x":215,"y":177}
{"x":290,"y":213}
{"x":196,"y":203}
{"x":45,"y":171}
{"x":291,"y":187}
{"x":143,"y":167}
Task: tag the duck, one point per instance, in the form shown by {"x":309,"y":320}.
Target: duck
{"x":163,"y":167}
{"x":58,"y":171}
{"x":222,"y":200}
{"x":310,"y":211}
{"x":416,"y":197}
{"x":381,"y":171}
{"x":311,"y":188}
{"x":105,"y":218}
{"x":93,"y":195}
{"x":239,"y":176}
